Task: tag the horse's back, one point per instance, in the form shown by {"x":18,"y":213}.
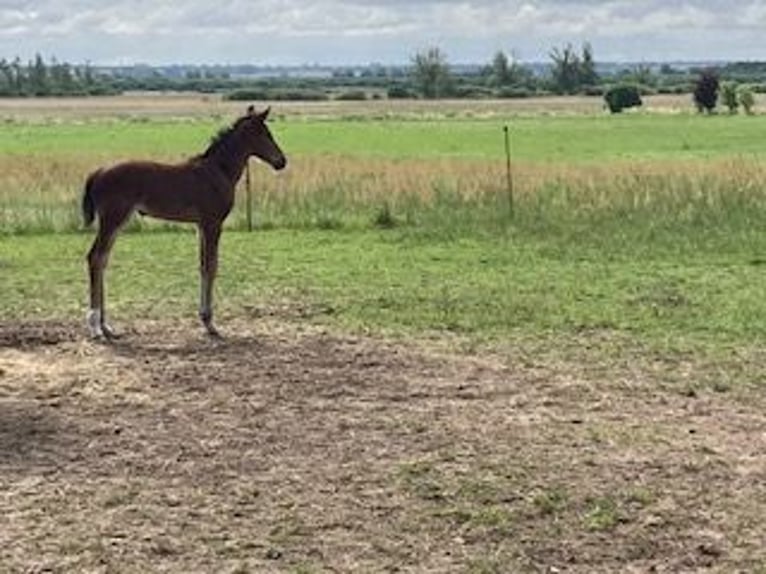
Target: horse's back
{"x":178,"y":192}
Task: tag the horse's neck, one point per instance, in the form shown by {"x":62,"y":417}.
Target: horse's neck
{"x":231,"y":161}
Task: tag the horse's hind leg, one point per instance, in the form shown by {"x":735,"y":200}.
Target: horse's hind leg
{"x":98,"y":257}
{"x":209,"y":234}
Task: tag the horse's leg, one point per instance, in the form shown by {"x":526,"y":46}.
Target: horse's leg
{"x":98,"y":256}
{"x":209,"y":233}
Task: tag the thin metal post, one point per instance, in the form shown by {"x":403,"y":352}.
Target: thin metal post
{"x":509,"y":174}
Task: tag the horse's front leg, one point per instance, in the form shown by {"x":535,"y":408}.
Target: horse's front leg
{"x":209,"y":234}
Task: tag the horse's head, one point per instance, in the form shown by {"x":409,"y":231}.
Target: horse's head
{"x":260,"y":142}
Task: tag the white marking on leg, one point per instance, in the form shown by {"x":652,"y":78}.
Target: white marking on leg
{"x":204,"y":297}
{"x":94,"y":323}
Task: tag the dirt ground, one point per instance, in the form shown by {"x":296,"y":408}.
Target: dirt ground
{"x":282,"y":449}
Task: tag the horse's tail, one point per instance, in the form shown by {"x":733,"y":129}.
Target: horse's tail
{"x":88,"y":204}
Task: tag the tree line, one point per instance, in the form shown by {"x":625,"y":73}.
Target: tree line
{"x":428,"y":75}
{"x":571,"y":72}
{"x":53,"y":78}
{"x":568,"y":71}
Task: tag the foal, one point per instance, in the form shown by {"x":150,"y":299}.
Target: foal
{"x":199,"y":190}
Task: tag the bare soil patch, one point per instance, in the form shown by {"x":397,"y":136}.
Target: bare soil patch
{"x":282,"y":450}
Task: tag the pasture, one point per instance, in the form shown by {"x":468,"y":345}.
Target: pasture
{"x":414,"y":378}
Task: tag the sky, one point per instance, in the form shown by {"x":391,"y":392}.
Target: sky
{"x":335,"y":32}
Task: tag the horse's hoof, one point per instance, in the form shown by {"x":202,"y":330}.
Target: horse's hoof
{"x":109,"y":333}
{"x":99,"y":337}
{"x":213,"y":333}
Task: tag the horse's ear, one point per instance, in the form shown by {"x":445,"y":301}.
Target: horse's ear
{"x":265,"y":113}
{"x":250,"y":110}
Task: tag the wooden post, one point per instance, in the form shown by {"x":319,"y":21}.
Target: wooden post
{"x":509,"y":175}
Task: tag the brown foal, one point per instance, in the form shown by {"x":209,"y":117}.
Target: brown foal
{"x":199,"y":190}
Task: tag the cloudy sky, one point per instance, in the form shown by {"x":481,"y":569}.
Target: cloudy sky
{"x":388,"y":31}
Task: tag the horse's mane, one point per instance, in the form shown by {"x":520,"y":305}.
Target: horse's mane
{"x":220,"y":139}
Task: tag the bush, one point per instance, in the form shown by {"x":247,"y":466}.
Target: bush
{"x":290,"y":95}
{"x":674,"y":89}
{"x":729,"y":96}
{"x":517,"y":92}
{"x":619,"y":98}
{"x":471,"y":92}
{"x":594,"y":91}
{"x":352,"y":96}
{"x":746,"y":98}
{"x":254,"y":94}
{"x":400,"y":93}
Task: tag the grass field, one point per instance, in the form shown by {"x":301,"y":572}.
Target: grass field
{"x":413,"y":378}
{"x":345,"y":169}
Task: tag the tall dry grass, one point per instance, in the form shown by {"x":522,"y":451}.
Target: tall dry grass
{"x":39,"y":194}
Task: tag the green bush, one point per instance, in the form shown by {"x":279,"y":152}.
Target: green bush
{"x":400,"y":93}
{"x":593,"y":90}
{"x":352,"y":96}
{"x":746,"y":98}
{"x":675,"y":89}
{"x":471,"y":92}
{"x":244,"y":95}
{"x":622,"y":97}
{"x":288,"y":95}
{"x":729,"y":96}
{"x":516,"y":92}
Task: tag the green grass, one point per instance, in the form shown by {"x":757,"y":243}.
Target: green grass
{"x":572,"y":172}
{"x":540,"y":138}
{"x":515,"y":287}
{"x":658,"y":261}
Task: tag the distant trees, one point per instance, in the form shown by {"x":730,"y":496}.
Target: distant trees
{"x":571,"y":72}
{"x":706,"y":91}
{"x":431,"y":73}
{"x":427,"y":75}
{"x":38,"y":78}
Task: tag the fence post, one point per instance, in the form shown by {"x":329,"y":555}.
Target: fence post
{"x":509,"y":175}
{"x":248,"y":197}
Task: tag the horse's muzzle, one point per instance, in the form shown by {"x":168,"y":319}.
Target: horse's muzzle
{"x":279,"y":163}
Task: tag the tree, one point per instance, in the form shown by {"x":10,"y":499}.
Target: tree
{"x":729,"y":96}
{"x":746,"y":98}
{"x":38,"y":76}
{"x":570,"y":71}
{"x":588,"y":75}
{"x":643,"y":76}
{"x":566,"y":69}
{"x":501,"y":71}
{"x":504,"y":72}
{"x":706,"y":91}
{"x":431,"y":73}
{"x":18,"y":76}
{"x":622,"y":97}
{"x":6,"y":77}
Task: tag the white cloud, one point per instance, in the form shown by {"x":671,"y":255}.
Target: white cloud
{"x":279,"y":31}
